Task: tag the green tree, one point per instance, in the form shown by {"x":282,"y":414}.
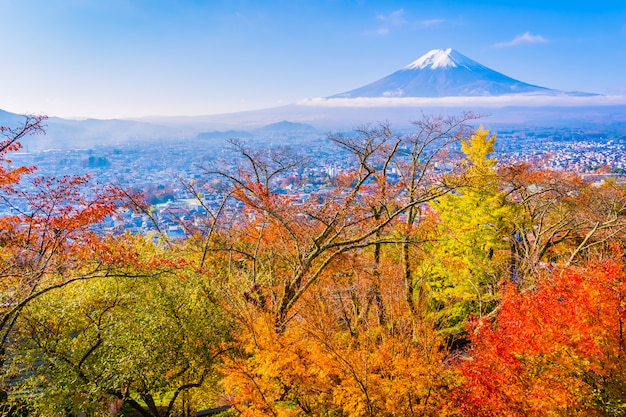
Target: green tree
{"x":145,"y":343}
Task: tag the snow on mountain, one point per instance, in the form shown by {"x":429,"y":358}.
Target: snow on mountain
{"x":440,"y":58}
{"x":445,"y":73}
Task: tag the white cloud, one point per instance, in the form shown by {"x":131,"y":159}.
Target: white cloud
{"x":489,"y":102}
{"x":521,"y":39}
{"x":431,"y":22}
{"x":395,"y":18}
{"x":395,"y":93}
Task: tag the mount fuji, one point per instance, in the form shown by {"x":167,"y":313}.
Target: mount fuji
{"x":448,"y":73}
{"x":443,"y":81}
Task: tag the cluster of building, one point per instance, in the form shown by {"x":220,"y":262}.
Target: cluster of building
{"x":567,"y":149}
{"x":178,"y":179}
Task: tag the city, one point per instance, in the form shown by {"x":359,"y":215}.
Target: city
{"x":178,"y":179}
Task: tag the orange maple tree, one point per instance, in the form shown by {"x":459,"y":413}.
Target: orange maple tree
{"x":330,"y":318}
{"x":336,"y":358}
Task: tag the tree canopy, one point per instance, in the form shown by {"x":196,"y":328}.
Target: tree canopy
{"x":427,"y":278}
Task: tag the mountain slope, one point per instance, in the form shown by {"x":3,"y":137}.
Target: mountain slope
{"x":444,"y":73}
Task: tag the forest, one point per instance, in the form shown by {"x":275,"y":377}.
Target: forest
{"x":428,"y":280}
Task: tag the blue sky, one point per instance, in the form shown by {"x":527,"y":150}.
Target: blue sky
{"x":131,"y":58}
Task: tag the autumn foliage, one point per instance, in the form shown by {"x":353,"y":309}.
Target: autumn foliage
{"x":555,"y":348}
{"x":328,"y":361}
{"x":52,"y":241}
{"x":426,"y":279}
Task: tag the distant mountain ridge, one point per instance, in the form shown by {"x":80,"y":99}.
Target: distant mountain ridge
{"x":447,"y":73}
{"x":287,"y":127}
{"x":283,"y":128}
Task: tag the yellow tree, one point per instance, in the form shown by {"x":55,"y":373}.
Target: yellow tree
{"x":470,"y":255}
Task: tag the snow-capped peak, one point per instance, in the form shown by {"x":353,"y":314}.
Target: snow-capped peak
{"x":445,"y":73}
{"x":437,"y":58}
